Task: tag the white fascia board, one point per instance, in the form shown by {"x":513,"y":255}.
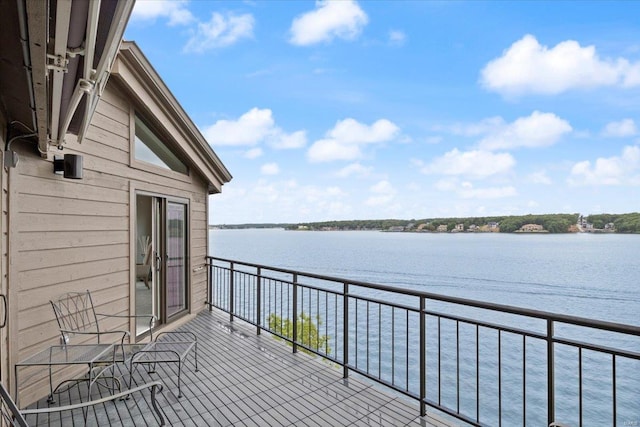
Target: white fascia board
{"x":105,"y":64}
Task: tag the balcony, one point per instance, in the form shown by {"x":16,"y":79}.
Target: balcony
{"x":388,"y":356}
{"x":251,"y":380}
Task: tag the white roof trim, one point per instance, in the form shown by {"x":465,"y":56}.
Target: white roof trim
{"x":91,"y":82}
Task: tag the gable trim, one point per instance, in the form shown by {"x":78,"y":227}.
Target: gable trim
{"x":139,"y":78}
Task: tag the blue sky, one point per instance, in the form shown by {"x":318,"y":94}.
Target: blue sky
{"x":326,"y":110}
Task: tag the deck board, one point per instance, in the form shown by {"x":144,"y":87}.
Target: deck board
{"x":246,"y":379}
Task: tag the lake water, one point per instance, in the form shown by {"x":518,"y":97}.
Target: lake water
{"x":587,"y":275}
{"x":595,"y":276}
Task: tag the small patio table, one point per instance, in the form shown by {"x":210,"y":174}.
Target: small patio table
{"x":59,"y":355}
{"x":168,"y":347}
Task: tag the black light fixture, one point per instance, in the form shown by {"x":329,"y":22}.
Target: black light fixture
{"x":70,"y":166}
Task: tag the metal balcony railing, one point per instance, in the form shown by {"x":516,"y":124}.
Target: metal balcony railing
{"x":483,"y":363}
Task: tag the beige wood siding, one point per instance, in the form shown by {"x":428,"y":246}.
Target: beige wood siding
{"x":4,"y":260}
{"x":73,"y":235}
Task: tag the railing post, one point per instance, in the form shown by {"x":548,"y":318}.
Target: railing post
{"x":423,"y":358}
{"x":550,"y":375}
{"x":295,"y":312}
{"x":345,"y":331}
{"x":258,"y":301}
{"x":210,"y":283}
{"x":231,"y":293}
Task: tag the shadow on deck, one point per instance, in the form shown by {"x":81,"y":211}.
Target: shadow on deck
{"x":250,"y":380}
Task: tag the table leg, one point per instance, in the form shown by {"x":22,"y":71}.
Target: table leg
{"x":15,"y":373}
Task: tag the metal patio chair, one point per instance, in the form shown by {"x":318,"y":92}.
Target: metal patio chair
{"x":76,"y":315}
{"x":10,"y":415}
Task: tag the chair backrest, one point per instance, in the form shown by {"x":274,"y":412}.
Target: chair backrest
{"x":75,"y":313}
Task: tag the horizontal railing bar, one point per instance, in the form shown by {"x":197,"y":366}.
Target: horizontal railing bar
{"x":597,"y":348}
{"x":560,"y":318}
{"x":275,"y":279}
{"x":496,"y":326}
{"x":385,"y":303}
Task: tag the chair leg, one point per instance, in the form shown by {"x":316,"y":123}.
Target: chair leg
{"x":179,"y":376}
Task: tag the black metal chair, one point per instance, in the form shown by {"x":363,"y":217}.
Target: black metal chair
{"x":12,"y":416}
{"x":76,"y":314}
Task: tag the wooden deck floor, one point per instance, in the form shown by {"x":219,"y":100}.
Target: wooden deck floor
{"x":250,"y":380}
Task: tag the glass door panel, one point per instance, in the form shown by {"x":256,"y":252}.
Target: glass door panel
{"x":145,"y":276}
{"x":176,"y":258}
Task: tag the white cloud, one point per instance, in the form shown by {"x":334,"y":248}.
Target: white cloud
{"x":343,"y":142}
{"x":270,"y":169}
{"x":175,"y":11}
{"x":252,"y":128}
{"x":616,"y":170}
{"x":283,"y":141}
{"x":353,"y":132}
{"x":220,"y":31}
{"x":529,"y":67}
{"x":632,"y":76}
{"x":622,"y":129}
{"x":539,"y":177}
{"x":354,"y":169}
{"x":382,"y":194}
{"x":332,"y":18}
{"x":537,"y":130}
{"x":327,"y":150}
{"x":475,"y":164}
{"x":397,"y":37}
{"x":254,"y":153}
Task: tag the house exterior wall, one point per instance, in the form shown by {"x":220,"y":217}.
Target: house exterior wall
{"x":73,"y":235}
{"x":4,"y":260}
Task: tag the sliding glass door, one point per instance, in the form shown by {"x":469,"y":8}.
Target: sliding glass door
{"x":161,"y":286}
{"x":176,"y":265}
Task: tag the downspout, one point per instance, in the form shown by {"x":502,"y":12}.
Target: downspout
{"x":26,"y":58}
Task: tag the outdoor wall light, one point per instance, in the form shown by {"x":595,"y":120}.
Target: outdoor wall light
{"x":70,"y":166}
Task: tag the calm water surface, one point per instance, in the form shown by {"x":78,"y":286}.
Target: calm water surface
{"x":595,"y":276}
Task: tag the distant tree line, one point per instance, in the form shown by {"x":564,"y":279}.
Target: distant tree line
{"x":623,"y":223}
{"x":365,"y":224}
{"x":553,"y":223}
{"x":242,"y":226}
